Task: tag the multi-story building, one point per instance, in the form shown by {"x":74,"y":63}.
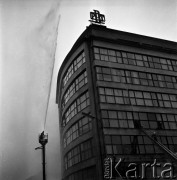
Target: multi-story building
{"x":109,"y":82}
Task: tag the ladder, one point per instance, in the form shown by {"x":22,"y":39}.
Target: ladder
{"x":154,"y":139}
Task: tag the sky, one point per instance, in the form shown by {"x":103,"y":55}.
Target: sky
{"x":35,"y":37}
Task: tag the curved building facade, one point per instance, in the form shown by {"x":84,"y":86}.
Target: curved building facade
{"x":109,"y":82}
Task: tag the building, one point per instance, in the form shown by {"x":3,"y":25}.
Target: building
{"x":110,"y":83}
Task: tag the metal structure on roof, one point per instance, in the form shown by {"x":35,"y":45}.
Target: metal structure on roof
{"x":96,"y":17}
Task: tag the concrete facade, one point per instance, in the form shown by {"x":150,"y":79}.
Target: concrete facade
{"x":109,"y":80}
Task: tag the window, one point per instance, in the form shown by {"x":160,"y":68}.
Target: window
{"x":86,"y":174}
{"x":83,"y":101}
{"x":125,"y":119}
{"x":81,"y":80}
{"x":79,"y":104}
{"x":73,"y":67}
{"x":134,"y":59}
{"x":86,"y":150}
{"x":81,"y":127}
{"x":79,"y":153}
{"x":74,"y":87}
{"x":116,"y":119}
{"x":79,"y":61}
{"x":136,"y":144}
{"x":70,"y":71}
{"x":133,"y":77}
{"x":139,"y":98}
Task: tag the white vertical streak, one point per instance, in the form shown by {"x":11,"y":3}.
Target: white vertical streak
{"x":50,"y":86}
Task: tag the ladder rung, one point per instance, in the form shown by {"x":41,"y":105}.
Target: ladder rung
{"x":159,"y":144}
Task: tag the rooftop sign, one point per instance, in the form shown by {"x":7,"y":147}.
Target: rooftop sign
{"x":96,"y":17}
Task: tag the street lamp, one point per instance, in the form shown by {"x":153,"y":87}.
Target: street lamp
{"x":43,"y":140}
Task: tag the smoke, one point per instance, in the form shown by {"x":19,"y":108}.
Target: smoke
{"x":29,"y":42}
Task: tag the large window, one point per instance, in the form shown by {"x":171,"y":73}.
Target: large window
{"x":73,"y":67}
{"x":137,"y":144}
{"x":134,"y":59}
{"x":137,"y":98}
{"x":79,"y":104}
{"x":79,"y":153}
{"x":148,"y":120}
{"x":137,"y":78}
{"x":81,"y":127}
{"x":79,"y":82}
{"x":84,"y":174}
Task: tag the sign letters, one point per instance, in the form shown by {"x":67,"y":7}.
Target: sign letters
{"x":96,"y":17}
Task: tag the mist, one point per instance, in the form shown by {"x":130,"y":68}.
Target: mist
{"x":30,"y":32}
{"x":29,"y":40}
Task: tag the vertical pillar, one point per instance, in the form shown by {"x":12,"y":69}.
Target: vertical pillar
{"x":43,"y":140}
{"x":43,"y":159}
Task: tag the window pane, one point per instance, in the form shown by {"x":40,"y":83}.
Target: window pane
{"x":109,"y":149}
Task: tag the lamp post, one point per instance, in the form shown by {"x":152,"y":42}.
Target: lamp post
{"x":43,"y":140}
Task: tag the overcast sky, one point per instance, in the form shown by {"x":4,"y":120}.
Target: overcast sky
{"x":28,"y":34}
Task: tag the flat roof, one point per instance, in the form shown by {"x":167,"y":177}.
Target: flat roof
{"x":99,"y":32}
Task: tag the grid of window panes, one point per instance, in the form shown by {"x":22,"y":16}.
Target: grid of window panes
{"x":79,"y":153}
{"x":134,"y":59}
{"x":134,"y":77}
{"x":76,"y":64}
{"x":74,"y":87}
{"x":137,"y":144}
{"x":79,"y":104}
{"x":138,"y":98}
{"x":84,"y":174}
{"x":148,"y":120}
{"x":81,"y":127}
